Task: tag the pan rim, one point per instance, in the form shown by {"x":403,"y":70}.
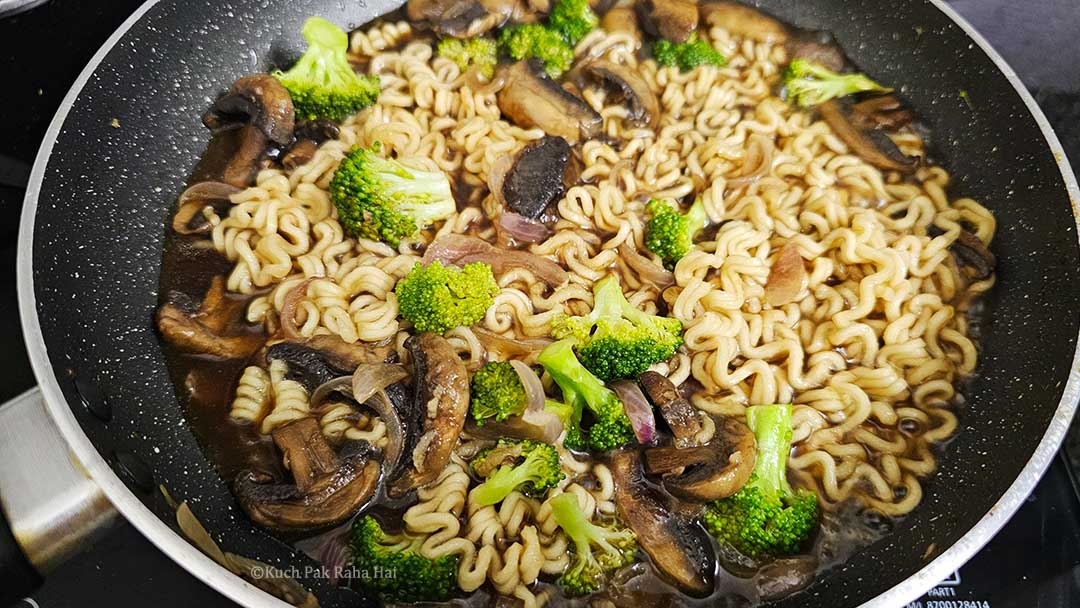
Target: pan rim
{"x":235,"y":588}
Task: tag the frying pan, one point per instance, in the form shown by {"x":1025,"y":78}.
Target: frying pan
{"x":106,"y":426}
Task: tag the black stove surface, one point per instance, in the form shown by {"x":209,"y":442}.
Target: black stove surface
{"x":1033,"y":563}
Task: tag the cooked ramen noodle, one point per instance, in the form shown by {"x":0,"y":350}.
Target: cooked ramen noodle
{"x":830,"y":276}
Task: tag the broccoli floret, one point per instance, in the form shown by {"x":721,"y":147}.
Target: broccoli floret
{"x":670,"y":234}
{"x":436,"y":298}
{"x":616,"y":340}
{"x":530,"y":467}
{"x":496,"y":392}
{"x":687,"y":55}
{"x":534,"y":40}
{"x":611,"y":427}
{"x":322,"y":83}
{"x":598,"y":550}
{"x":394,"y":569}
{"x":572,"y":19}
{"x":575,"y":438}
{"x":809,"y":84}
{"x":478,"y":52}
{"x":766,"y":517}
{"x":381,"y":199}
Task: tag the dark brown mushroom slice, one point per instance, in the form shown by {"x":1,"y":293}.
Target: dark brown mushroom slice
{"x":673,"y":20}
{"x":441,"y":385}
{"x":260,"y":101}
{"x":318,"y":130}
{"x":709,"y":472}
{"x":885,"y":112}
{"x":461,"y":18}
{"x":784,"y":576}
{"x":973,"y":253}
{"x":530,"y":98}
{"x":818,"y":47}
{"x":328,"y":488}
{"x":680,"y":549}
{"x":201,"y":333}
{"x":299,"y":154}
{"x":322,"y":358}
{"x":873,"y":146}
{"x":681,"y":417}
{"x":244,"y":164}
{"x":626,"y":88}
{"x":496,"y":457}
{"x":536,"y":177}
{"x":743,"y":21}
{"x":621,"y":20}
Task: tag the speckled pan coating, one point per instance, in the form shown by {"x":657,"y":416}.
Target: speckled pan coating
{"x":134,"y":132}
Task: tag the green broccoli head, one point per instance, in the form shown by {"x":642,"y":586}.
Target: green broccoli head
{"x":394,"y":569}
{"x":530,"y":40}
{"x":531,"y":467}
{"x":497,"y":392}
{"x":322,"y":83}
{"x":766,"y":518}
{"x":435,"y":298}
{"x":670,"y":234}
{"x":611,"y":426}
{"x":687,"y":55}
{"x":572,"y":19}
{"x":380,"y":199}
{"x":809,"y":84}
{"x":616,"y":340}
{"x":597,"y":550}
{"x":474,"y":52}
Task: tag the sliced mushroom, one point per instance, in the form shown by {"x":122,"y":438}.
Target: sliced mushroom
{"x":786,"y":277}
{"x":201,"y":333}
{"x":260,"y":101}
{"x":621,"y":20}
{"x":673,"y":20}
{"x":299,"y":154}
{"x":461,"y":18}
{"x":441,"y":384}
{"x":782,"y":577}
{"x":884,"y":112}
{"x":322,"y":358}
{"x":531,"y":98}
{"x":744,"y":21}
{"x":680,"y":550}
{"x":318,"y":130}
{"x":972,"y":252}
{"x":328,"y":488}
{"x":817,"y":46}
{"x":251,"y":144}
{"x":709,"y":472}
{"x":681,"y":417}
{"x":535,"y":178}
{"x":627,"y":88}
{"x":873,"y":146}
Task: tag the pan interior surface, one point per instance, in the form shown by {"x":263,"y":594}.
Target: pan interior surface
{"x":133,"y":134}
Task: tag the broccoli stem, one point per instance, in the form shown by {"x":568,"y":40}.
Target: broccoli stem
{"x":576,"y":382}
{"x":771,"y":425}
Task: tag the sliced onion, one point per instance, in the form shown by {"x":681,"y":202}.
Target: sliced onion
{"x":194,"y":199}
{"x":516,"y":228}
{"x":638,"y":409}
{"x":534,"y":391}
{"x":646,"y":269}
{"x":395,"y":431}
{"x":508,"y":348}
{"x":288,"y":309}
{"x":458,"y":249}
{"x":757,"y":163}
{"x":341,"y":384}
{"x":370,"y":378}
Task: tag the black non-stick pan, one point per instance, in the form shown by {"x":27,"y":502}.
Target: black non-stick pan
{"x":129,"y":132}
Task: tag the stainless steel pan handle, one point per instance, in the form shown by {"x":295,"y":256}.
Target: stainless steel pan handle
{"x":49,"y":507}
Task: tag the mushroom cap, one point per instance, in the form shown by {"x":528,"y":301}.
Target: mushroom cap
{"x":708,"y":472}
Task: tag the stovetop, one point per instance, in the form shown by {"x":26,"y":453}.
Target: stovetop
{"x":1033,"y":563}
